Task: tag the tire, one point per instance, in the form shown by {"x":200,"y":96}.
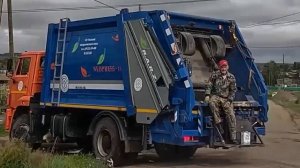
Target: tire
{"x":130,"y":157}
{"x":165,"y":151}
{"x":20,"y":128}
{"x":106,"y":142}
{"x":171,"y":152}
{"x":218,"y":47}
{"x":186,"y":152}
{"x":187,"y":43}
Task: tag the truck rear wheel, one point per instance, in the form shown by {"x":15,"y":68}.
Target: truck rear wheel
{"x":106,"y":142}
{"x":20,"y":128}
{"x":167,"y":152}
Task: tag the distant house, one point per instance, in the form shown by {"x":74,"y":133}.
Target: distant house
{"x":291,"y":78}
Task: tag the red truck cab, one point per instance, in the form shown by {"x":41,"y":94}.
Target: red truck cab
{"x":25,"y":82}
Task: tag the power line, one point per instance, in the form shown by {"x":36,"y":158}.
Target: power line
{"x":102,"y":7}
{"x":281,"y":23}
{"x":276,"y":23}
{"x":55,"y":9}
{"x":107,"y":5}
{"x":1,"y":4}
{"x":269,"y":20}
{"x":266,"y":47}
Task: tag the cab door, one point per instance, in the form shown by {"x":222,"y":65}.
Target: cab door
{"x":20,"y":85}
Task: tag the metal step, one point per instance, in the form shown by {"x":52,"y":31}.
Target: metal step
{"x":55,"y":89}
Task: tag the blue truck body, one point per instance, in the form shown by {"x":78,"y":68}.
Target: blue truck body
{"x":96,"y":75}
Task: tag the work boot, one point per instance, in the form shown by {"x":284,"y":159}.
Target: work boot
{"x":233,"y":138}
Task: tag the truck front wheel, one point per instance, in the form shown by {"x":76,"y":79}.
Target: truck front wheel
{"x":167,"y":152}
{"x":106,"y":142}
{"x":20,"y":128}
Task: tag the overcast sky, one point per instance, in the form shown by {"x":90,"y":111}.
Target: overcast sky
{"x":30,"y":28}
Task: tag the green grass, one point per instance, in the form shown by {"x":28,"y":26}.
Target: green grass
{"x":292,"y":105}
{"x":2,"y":131}
{"x":14,"y":155}
{"x":297,"y":94}
{"x":17,"y":155}
{"x":64,"y":161}
{"x":295,"y":106}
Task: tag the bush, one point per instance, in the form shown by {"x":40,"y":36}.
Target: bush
{"x":14,"y":155}
{"x":2,"y":131}
{"x":297,"y":101}
{"x":17,"y":155}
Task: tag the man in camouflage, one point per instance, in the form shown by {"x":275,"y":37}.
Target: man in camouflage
{"x":220,"y":94}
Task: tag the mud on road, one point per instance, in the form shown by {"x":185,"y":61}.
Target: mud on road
{"x":282,"y":149}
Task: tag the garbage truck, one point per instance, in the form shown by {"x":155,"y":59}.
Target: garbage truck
{"x":131,"y":82}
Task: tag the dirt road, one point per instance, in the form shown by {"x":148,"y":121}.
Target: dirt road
{"x":282,"y":149}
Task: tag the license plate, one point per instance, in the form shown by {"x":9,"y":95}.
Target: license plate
{"x":246,"y":138}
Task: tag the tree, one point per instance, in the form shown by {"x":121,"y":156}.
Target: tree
{"x":271,"y":73}
{"x":296,"y":66}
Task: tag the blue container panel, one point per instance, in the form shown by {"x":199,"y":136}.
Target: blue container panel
{"x":92,"y":66}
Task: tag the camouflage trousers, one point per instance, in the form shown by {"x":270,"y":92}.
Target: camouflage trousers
{"x":217,"y":105}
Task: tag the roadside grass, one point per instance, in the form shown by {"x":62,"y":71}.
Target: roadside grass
{"x":292,"y":105}
{"x":42,"y":160}
{"x":17,"y":155}
{"x":2,"y":131}
{"x":297,"y":94}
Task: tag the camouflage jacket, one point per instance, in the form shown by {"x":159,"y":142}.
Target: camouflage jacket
{"x":219,"y":86}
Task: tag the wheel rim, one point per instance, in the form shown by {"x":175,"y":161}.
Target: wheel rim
{"x":21,"y":132}
{"x":104,"y":143}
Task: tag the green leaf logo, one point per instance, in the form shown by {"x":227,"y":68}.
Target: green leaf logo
{"x":76,"y":45}
{"x":101,"y":58}
{"x":143,"y":43}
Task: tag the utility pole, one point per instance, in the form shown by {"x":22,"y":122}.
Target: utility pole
{"x":1,"y":4}
{"x":283,"y":69}
{"x":269,"y":73}
{"x":10,"y":30}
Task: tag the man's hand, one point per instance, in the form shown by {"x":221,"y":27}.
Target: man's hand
{"x":206,"y":100}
